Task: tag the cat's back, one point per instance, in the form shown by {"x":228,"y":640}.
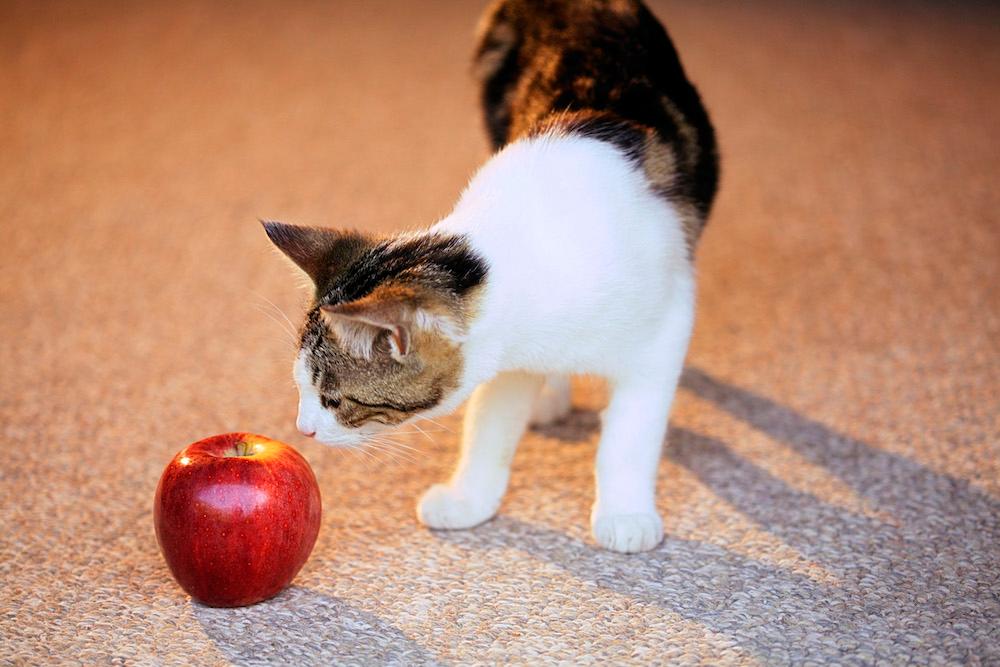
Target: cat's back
{"x":605,"y":69}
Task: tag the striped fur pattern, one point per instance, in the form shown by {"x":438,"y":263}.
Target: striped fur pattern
{"x":373,"y":298}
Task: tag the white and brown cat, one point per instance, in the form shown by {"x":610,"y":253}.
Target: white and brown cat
{"x":571,"y":251}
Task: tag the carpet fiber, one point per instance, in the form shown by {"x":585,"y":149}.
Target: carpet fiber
{"x":831,"y":482}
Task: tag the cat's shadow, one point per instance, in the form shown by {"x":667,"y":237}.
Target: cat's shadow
{"x":911,"y":577}
{"x":303,"y":627}
{"x":579,"y":425}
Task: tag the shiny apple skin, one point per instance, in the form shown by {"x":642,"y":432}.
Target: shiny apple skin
{"x":235,"y":530}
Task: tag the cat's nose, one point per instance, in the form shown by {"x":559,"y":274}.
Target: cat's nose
{"x":307,"y":432}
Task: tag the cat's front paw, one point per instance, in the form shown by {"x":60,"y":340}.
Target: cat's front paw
{"x":445,"y":507}
{"x":627,"y":533}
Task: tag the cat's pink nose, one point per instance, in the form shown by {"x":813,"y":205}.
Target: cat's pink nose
{"x":306,"y":432}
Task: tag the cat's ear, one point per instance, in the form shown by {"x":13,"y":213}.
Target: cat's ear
{"x":319,"y":252}
{"x":358,"y":324}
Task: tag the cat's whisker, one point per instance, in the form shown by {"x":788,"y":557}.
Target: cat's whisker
{"x":421,"y":432}
{"x":289,"y":335}
{"x":405,"y":451}
{"x":386,"y":438}
{"x":409,"y":448}
{"x":368,"y":456}
{"x":263,"y":310}
{"x":358,"y":454}
{"x":269,"y":309}
{"x":429,"y":429}
{"x":437,"y":423}
{"x":407,"y":433}
{"x":408,"y":456}
{"x":386,"y":449}
{"x":284,"y":323}
{"x":354,"y":454}
{"x":371,"y":447}
{"x":383,"y":439}
{"x":282,"y":341}
{"x":396,"y":460}
{"x":424,"y":433}
{"x":291,"y":326}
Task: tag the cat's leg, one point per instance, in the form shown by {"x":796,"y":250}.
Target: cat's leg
{"x":495,"y":420}
{"x":624,"y":516}
{"x":553,"y":402}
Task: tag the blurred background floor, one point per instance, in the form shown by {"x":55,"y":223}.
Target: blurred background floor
{"x":831,"y":484}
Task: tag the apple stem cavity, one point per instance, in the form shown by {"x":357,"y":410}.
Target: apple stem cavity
{"x":242,"y":449}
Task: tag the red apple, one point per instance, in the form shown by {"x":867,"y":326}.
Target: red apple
{"x":236,"y":517}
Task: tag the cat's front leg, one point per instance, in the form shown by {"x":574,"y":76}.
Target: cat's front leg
{"x":495,"y":420}
{"x":624,"y":517}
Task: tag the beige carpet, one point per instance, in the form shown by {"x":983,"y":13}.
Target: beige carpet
{"x":831,"y":484}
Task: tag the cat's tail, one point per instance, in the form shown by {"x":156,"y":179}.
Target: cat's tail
{"x":496,"y":67}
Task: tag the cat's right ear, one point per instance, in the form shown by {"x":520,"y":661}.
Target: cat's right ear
{"x":319,"y":252}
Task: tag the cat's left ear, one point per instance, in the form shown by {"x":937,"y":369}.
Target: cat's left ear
{"x":321,"y":253}
{"x":358,"y":324}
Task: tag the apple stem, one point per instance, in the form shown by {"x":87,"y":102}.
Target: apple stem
{"x":241,"y":449}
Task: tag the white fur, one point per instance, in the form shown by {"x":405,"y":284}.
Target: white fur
{"x":554,"y":401}
{"x":588,"y":273}
{"x":494,"y":422}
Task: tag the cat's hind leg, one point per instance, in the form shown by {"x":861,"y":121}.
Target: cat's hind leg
{"x":495,"y":420}
{"x":624,"y":516}
{"x":553,"y":402}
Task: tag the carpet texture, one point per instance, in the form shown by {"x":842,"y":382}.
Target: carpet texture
{"x":831,"y":482}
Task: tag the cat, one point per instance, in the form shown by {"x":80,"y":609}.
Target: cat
{"x":570,"y":251}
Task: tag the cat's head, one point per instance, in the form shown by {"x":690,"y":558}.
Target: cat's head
{"x":382,"y":341}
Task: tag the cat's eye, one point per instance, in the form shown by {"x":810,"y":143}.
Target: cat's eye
{"x":328,"y":402}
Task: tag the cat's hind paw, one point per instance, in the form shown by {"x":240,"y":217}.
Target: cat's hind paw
{"x":444,"y":507}
{"x":552,"y":404}
{"x":628,"y":533}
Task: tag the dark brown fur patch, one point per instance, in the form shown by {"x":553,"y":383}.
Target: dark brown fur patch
{"x":321,"y":253}
{"x":605,"y":69}
{"x":439,"y":262}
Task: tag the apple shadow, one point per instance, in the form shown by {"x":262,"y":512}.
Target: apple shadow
{"x":302,"y":627}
